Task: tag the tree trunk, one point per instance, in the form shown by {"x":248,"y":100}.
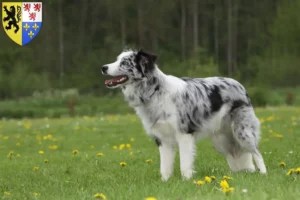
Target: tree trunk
{"x":216,"y":32}
{"x":61,"y":43}
{"x":195,"y":26}
{"x":82,"y":27}
{"x":183,"y":27}
{"x":140,"y":23}
{"x":235,"y":33}
{"x":123,"y":23}
{"x":229,"y":38}
{"x":154,"y":41}
{"x":94,"y":25}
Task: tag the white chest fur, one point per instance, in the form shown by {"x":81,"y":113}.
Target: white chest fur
{"x":159,"y":117}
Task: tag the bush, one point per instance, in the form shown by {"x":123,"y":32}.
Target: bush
{"x":290,"y":98}
{"x":258,"y":96}
{"x":63,"y":103}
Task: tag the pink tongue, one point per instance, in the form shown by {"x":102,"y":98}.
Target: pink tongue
{"x":114,"y":80}
{"x":107,"y":82}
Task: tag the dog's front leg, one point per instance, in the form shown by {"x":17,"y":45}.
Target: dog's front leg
{"x":167,"y":155}
{"x":187,"y":150}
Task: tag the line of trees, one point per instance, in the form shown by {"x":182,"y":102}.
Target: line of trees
{"x":257,"y":42}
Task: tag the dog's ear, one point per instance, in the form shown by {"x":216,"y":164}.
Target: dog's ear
{"x":149,"y":56}
{"x":145,"y":62}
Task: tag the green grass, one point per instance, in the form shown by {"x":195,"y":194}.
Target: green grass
{"x":80,"y":176}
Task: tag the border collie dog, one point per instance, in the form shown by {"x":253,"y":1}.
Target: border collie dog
{"x":177,"y":112}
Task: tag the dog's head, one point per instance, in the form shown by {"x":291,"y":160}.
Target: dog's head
{"x":130,"y":66}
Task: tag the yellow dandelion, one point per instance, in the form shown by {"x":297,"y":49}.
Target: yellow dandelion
{"x":27,"y":125}
{"x":5,"y":137}
{"x":227,"y":178}
{"x":271,"y":118}
{"x":131,"y":153}
{"x":18,"y":144}
{"x":36,"y":168}
{"x":86,"y":118}
{"x":199,"y":182}
{"x":36,"y":194}
{"x":122,"y":146}
{"x":10,"y":154}
{"x":123,"y":164}
{"x":291,"y":171}
{"x":213,"y":178}
{"x":18,"y":155}
{"x":100,"y":196}
{"x":53,"y":147}
{"x":46,"y":161}
{"x":128,"y":146}
{"x":228,"y":190}
{"x":297,"y":170}
{"x":7,"y":193}
{"x":99,"y":154}
{"x":74,"y":152}
{"x":282,"y":164}
{"x":277,"y":135}
{"x":224,"y":184}
{"x":41,"y":152}
{"x":150,"y":198}
{"x":131,"y":139}
{"x":115,"y":147}
{"x":38,"y":138}
{"x":207,"y":179}
{"x":149,"y":161}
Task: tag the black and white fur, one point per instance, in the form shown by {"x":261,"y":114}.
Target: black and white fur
{"x":179,"y":111}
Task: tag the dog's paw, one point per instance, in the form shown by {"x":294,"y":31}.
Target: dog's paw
{"x":164,"y":179}
{"x":187,"y":174}
{"x":165,"y":175}
{"x":263,"y":172}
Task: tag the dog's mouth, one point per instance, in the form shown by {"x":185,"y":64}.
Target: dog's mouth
{"x":117,"y":80}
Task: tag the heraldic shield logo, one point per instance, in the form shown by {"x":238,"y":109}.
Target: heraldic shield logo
{"x":22,"y":21}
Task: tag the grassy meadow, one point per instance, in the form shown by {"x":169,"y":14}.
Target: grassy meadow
{"x":76,"y":158}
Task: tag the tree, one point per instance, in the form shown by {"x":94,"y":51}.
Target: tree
{"x":195,"y":26}
{"x":182,"y":29}
{"x":61,"y":42}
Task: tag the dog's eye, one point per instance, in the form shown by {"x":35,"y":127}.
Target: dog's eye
{"x":123,"y":63}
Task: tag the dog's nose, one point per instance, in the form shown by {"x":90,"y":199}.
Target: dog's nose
{"x":104,"y":69}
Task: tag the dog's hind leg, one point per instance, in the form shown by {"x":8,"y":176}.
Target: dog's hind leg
{"x":259,"y":161}
{"x":245,"y":130}
{"x":231,"y":162}
{"x":244,"y":161}
{"x":236,"y":158}
{"x":226,"y":145}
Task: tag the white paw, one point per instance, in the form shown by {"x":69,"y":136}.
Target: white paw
{"x":250,"y":169}
{"x":264,"y":171}
{"x":165,"y":175}
{"x":187,"y":174}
